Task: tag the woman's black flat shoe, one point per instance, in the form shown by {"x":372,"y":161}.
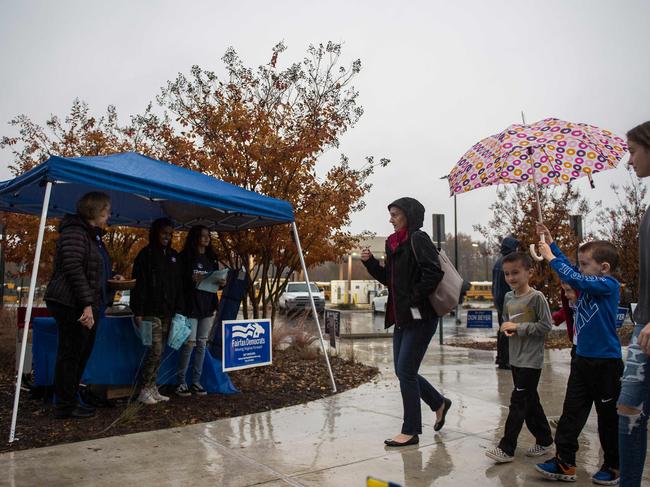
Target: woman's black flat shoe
{"x":439,"y":424}
{"x":414,"y":440}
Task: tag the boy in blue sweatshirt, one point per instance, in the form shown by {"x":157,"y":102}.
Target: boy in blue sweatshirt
{"x":596,"y":367}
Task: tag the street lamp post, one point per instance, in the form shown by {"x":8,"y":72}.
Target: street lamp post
{"x":350,"y":276}
{"x":456,"y":263}
{"x":483,"y":252}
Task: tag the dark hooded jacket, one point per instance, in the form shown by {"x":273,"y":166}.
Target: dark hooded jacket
{"x":158,"y":287}
{"x":78,"y":265}
{"x":499,"y":285}
{"x":410,"y":278}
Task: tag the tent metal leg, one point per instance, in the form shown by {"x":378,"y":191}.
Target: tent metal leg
{"x":313,"y":304}
{"x":30,"y":305}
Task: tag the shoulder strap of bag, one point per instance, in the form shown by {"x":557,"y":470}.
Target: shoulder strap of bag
{"x":413,"y":247}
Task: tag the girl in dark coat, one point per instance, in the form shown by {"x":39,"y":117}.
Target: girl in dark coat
{"x":412,"y":272}
{"x":76,"y":295}
{"x":198,"y":258}
{"x":157,"y":296}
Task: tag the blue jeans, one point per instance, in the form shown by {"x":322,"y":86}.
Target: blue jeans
{"x":633,"y":429}
{"x":409,"y":346}
{"x":197,"y":342}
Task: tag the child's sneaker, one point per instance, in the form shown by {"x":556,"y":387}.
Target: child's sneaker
{"x":556,"y":469}
{"x":538,"y":450}
{"x":605,"y":476}
{"x":158,"y":396}
{"x":183,"y":391}
{"x":146,"y":397}
{"x":198,"y":390}
{"x":498,"y":455}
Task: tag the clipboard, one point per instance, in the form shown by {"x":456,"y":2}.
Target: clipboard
{"x":211,"y":281}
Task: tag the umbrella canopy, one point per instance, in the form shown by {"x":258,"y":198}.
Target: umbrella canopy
{"x":547,"y":152}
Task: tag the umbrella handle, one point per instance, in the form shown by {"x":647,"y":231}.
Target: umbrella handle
{"x":534,"y":254}
{"x":533,"y":251}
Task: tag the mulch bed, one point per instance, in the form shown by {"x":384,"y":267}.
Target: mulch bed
{"x":295,"y":377}
{"x":556,"y":339}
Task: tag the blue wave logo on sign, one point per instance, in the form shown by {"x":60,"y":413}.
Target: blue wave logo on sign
{"x":246,"y":343}
{"x":253,"y":330}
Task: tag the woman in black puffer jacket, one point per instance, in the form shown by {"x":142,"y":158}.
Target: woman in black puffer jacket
{"x":76,"y":294}
{"x":412,"y":272}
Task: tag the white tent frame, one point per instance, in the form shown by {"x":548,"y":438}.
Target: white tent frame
{"x":32,"y":289}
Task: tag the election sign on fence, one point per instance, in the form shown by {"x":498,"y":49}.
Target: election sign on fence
{"x":479,"y":318}
{"x":246,"y":343}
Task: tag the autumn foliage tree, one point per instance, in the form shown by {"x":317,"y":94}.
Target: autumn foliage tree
{"x":265,"y":129}
{"x":515,"y":213}
{"x":620,"y":225}
{"x":78,"y":134}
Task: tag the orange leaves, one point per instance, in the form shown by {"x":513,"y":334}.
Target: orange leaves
{"x":260,"y":128}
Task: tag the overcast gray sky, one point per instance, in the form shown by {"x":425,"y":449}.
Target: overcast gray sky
{"x":437,"y":75}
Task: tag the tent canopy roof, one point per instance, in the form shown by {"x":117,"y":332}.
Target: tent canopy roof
{"x":141,"y":190}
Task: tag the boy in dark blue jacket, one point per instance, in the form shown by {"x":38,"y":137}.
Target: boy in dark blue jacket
{"x":596,"y":367}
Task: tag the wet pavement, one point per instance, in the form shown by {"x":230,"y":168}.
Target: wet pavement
{"x":334,"y":442}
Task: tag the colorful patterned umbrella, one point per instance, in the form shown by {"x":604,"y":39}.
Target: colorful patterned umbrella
{"x":547,"y":152}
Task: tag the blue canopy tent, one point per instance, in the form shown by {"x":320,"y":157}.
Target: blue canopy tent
{"x":141,"y":190}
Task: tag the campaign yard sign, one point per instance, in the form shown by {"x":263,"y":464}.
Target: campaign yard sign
{"x":479,"y":318}
{"x":333,"y":325}
{"x":620,"y":316}
{"x":245,"y":344}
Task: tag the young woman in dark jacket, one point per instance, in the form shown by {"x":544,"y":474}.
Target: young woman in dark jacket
{"x":198,"y":258}
{"x":412,"y":272}
{"x":76,"y":294}
{"x":157,"y":296}
{"x":634,"y":400}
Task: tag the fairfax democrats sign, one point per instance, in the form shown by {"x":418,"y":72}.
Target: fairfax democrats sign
{"x":246,"y":343}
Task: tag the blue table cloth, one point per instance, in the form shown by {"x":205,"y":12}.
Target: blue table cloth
{"x":117,"y":357}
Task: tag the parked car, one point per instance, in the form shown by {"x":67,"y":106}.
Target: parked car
{"x":296,"y":297}
{"x":379,"y":302}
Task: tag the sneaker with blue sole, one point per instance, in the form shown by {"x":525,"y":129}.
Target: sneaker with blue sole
{"x":555,"y":469}
{"x":605,"y":476}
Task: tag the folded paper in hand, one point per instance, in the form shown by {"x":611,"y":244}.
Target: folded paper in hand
{"x":211,"y":281}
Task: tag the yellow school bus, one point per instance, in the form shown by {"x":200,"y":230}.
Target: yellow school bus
{"x":480,"y":291}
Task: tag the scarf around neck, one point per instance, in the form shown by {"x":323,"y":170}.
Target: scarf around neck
{"x":398,"y":238}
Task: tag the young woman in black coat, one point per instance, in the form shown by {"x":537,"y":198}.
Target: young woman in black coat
{"x":198,"y":258}
{"x":76,"y":295}
{"x":411,"y":273}
{"x":157,"y":296}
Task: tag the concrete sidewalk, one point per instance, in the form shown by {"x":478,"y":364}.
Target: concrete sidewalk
{"x":334,"y":442}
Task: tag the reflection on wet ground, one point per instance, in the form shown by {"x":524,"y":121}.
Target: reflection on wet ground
{"x":333,"y":442}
